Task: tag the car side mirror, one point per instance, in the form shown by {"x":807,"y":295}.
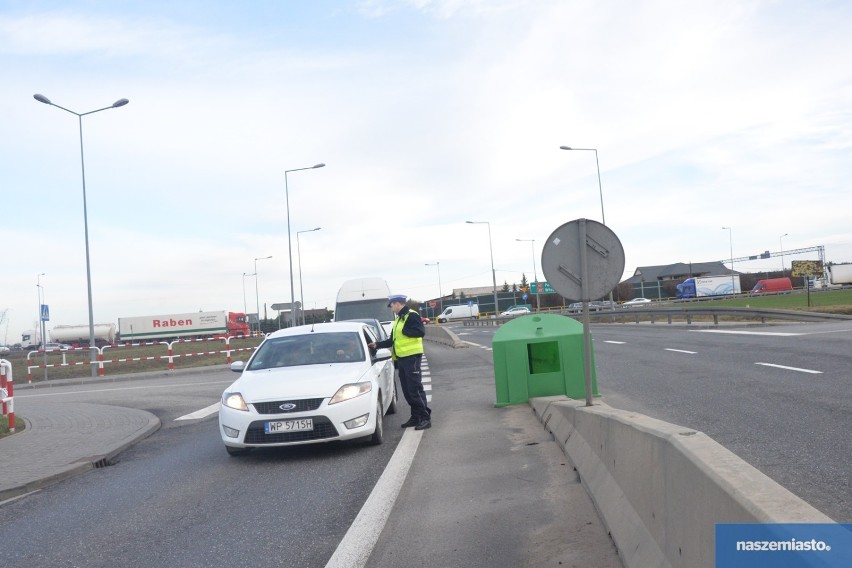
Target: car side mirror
{"x":381,"y":355}
{"x":238,"y":366}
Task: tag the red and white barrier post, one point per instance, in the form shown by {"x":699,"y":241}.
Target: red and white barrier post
{"x":7,"y":392}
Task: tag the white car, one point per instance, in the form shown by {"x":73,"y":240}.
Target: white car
{"x":516,"y":311}
{"x":636,"y":302}
{"x":309,"y":384}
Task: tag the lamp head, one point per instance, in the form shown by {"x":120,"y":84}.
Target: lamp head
{"x":566,"y":148}
{"x":42,"y":99}
{"x":318,"y":166}
{"x":120,"y":103}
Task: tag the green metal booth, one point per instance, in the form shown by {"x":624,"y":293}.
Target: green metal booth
{"x":540,"y":355}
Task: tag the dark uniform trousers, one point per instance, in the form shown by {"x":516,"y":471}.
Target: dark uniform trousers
{"x":411,"y":380}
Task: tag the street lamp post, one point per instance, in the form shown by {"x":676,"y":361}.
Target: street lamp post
{"x":299,"y":254}
{"x":245,"y":305}
{"x":491,"y":250}
{"x":116,"y":104}
{"x":731,"y":243}
{"x":600,"y":190}
{"x":781,"y":243}
{"x":597,"y":163}
{"x":535,"y":274}
{"x":289,"y":242}
{"x":41,"y":326}
{"x":256,"y":291}
{"x":440,"y":293}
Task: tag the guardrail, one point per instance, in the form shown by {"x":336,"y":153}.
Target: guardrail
{"x":623,"y":315}
{"x":101,"y":360}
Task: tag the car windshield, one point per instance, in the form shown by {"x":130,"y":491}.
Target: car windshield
{"x":308,"y":349}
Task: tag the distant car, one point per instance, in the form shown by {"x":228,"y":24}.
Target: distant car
{"x":4,"y":349}
{"x":56,"y":347}
{"x":636,"y":302}
{"x":309,"y":384}
{"x":516,"y":311}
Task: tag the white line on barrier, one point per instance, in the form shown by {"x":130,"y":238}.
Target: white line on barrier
{"x":682,"y":351}
{"x":203,"y":413}
{"x":811,"y":371}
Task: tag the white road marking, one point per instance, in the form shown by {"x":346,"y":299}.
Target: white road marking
{"x":811,"y":371}
{"x":355,"y":548}
{"x":681,"y":351}
{"x":615,"y":342}
{"x":427,"y":387}
{"x":203,"y":413}
{"x":742,"y":332}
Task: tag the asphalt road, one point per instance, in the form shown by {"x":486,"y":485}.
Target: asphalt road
{"x":178,"y":499}
{"x":776,"y":395}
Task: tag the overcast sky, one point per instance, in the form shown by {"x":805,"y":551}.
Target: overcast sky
{"x":427,"y":114}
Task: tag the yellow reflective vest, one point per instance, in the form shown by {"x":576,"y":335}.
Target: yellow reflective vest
{"x":404,"y":346}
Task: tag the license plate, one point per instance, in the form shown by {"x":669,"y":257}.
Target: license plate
{"x":305,"y":424}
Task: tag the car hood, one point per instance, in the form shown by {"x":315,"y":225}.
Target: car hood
{"x":307,"y":381}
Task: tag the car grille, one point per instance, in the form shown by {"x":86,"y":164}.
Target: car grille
{"x":323,"y":428}
{"x":274,"y":407}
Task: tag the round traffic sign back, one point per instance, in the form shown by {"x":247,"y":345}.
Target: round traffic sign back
{"x":561,"y":259}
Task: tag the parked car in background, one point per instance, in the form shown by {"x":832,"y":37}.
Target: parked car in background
{"x":309,"y":384}
{"x":636,"y":302}
{"x":4,"y":349}
{"x":516,"y":311}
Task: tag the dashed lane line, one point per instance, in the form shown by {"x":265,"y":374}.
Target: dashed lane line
{"x":203,"y":413}
{"x":681,"y":351}
{"x":785,"y":367}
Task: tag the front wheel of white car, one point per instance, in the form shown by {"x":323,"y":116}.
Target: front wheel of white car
{"x":392,"y":406}
{"x":379,"y":433}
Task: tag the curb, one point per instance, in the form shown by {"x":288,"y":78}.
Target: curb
{"x":83,"y":465}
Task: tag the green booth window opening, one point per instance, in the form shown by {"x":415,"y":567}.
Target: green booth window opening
{"x":543,"y":357}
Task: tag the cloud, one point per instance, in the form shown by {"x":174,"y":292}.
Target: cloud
{"x":427,"y":114}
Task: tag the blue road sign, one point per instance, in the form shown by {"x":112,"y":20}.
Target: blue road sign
{"x":45,"y":313}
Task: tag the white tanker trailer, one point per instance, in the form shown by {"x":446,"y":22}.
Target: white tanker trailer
{"x":78,"y":335}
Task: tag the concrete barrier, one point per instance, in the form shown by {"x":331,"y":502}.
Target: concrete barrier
{"x":440,"y":334}
{"x":661,"y":488}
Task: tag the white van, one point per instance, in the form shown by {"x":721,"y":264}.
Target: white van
{"x":458,"y":312}
{"x":364,"y":298}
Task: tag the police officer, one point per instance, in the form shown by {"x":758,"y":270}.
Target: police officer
{"x":407,"y":342}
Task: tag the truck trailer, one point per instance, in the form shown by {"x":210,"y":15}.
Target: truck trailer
{"x":701,"y":286}
{"x":840,"y":273}
{"x":78,"y":335}
{"x":177,"y":326}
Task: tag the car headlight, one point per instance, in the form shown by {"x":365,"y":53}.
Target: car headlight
{"x":347,"y":392}
{"x":234,"y":400}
